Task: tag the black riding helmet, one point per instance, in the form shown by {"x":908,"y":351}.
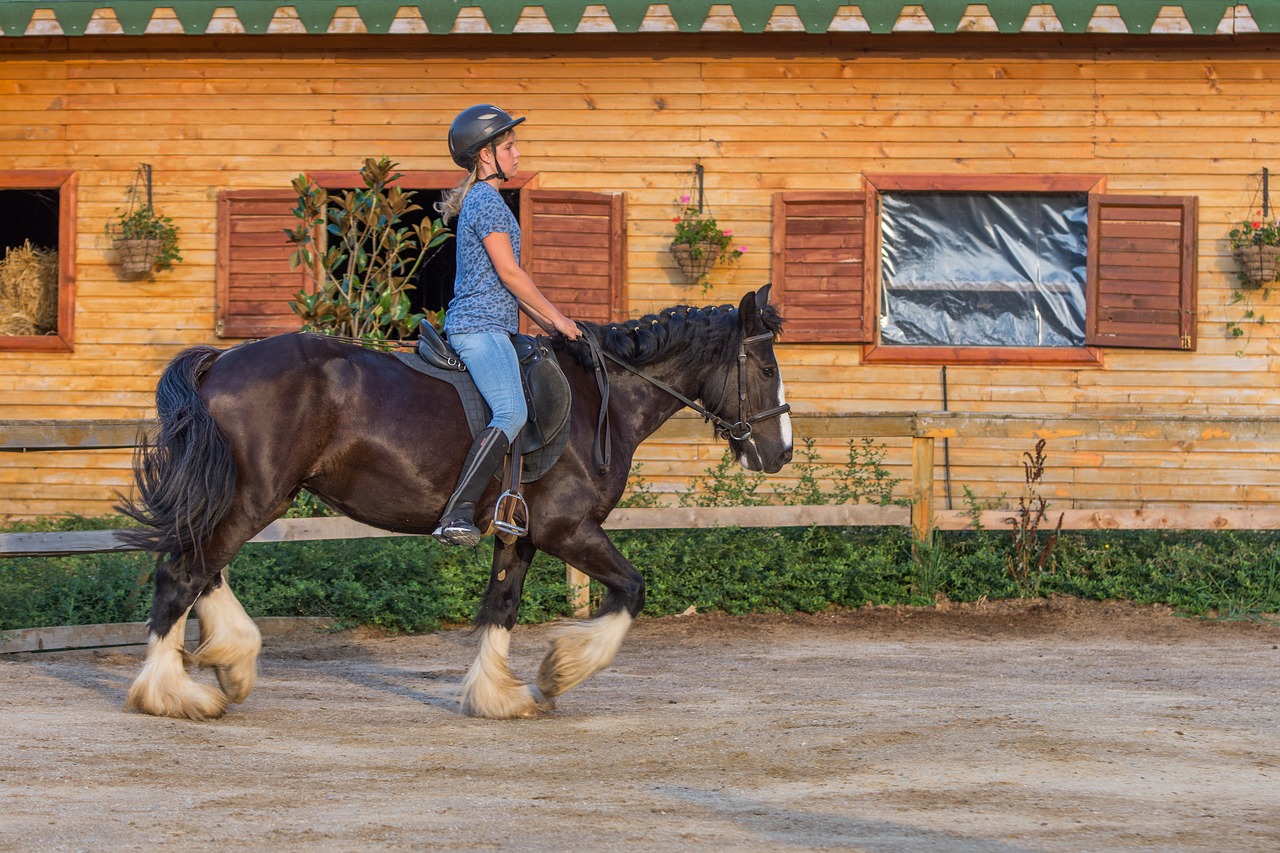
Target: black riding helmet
{"x":473,"y":129}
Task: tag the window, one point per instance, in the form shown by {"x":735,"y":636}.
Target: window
{"x":983,"y":269}
{"x":573,"y":244}
{"x":37,"y":260}
{"x":986,"y":269}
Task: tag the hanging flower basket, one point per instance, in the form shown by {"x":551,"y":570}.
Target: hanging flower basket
{"x":1258,"y":265}
{"x":137,"y":257}
{"x":695,"y":260}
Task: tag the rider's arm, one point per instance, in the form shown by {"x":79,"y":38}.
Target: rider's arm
{"x":532,"y":302}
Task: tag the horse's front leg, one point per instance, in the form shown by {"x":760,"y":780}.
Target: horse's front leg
{"x":581,"y":648}
{"x":491,"y":689}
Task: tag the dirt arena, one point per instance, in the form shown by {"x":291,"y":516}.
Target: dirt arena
{"x":1020,"y":727}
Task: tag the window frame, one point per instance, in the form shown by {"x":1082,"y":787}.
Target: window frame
{"x":65,"y":182}
{"x":877,"y":353}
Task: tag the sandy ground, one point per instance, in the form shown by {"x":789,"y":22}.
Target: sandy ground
{"x":1032,"y":726}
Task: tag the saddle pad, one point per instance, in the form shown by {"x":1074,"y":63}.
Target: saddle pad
{"x":548,"y":438}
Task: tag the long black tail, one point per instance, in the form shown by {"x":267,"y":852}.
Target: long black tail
{"x":186,"y":476}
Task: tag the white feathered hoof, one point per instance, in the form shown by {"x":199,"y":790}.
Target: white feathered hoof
{"x":579,"y":650}
{"x":164,"y":689}
{"x":491,"y":690}
{"x":229,"y":642}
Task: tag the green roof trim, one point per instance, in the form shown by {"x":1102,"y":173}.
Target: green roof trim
{"x":196,"y":17}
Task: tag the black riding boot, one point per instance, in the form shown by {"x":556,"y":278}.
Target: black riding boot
{"x":457,"y":524}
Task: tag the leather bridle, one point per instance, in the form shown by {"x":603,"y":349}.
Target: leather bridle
{"x":739,"y":431}
{"x":744,"y":421}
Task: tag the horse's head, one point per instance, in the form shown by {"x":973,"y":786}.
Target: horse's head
{"x":761,"y":435}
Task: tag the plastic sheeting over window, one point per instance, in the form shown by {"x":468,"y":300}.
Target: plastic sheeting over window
{"x":983,"y":269}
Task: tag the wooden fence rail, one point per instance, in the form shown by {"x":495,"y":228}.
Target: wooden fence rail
{"x":923,"y":428}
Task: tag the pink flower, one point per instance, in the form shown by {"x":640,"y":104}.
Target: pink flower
{"x":684,"y":199}
{"x":742,"y":249}
{"x":728,"y":232}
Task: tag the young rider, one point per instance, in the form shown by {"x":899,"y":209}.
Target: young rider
{"x":489,"y":289}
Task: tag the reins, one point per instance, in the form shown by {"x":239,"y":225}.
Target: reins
{"x":740,"y":431}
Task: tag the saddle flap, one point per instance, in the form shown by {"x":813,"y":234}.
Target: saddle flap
{"x":549,"y":398}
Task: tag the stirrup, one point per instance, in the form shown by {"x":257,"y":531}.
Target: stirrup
{"x":511,"y":515}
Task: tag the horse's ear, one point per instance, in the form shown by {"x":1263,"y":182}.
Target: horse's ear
{"x":749,"y":309}
{"x":762,"y":295}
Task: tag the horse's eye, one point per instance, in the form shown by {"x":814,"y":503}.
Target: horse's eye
{"x":769,"y":371}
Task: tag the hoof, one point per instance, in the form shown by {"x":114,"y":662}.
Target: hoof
{"x":545,"y":703}
{"x":510,"y":705}
{"x":233,"y":661}
{"x":236,"y":683}
{"x":551,"y":682}
{"x":190,"y":701}
{"x":580,"y":649}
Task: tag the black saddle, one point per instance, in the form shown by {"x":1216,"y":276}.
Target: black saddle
{"x":546,"y":393}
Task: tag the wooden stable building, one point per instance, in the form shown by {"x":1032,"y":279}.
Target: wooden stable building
{"x":995,"y":208}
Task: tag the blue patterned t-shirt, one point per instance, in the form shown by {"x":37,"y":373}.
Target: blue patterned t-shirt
{"x":481,"y":302}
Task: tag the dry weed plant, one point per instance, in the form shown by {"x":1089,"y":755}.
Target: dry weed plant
{"x":1031,"y":555}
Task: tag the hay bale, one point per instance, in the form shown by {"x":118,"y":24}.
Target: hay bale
{"x":29,"y":291}
{"x":14,"y":323}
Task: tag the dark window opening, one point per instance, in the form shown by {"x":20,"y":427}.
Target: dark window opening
{"x":433,"y":282}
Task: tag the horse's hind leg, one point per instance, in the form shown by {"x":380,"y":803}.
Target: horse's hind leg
{"x":491,"y":689}
{"x":229,"y":639}
{"x":163,"y":687}
{"x":581,"y":648}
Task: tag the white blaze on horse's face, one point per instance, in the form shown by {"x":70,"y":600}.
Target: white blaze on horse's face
{"x":785,"y":423}
{"x":750,"y":456}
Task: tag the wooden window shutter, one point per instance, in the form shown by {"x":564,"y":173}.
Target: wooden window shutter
{"x":573,"y":244}
{"x":820,"y":274}
{"x":1142,"y":272}
{"x":254,"y":281}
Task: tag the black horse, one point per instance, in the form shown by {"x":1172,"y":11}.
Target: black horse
{"x":242,"y":430}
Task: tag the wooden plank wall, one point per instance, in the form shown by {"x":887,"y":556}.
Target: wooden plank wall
{"x":1192,"y":118}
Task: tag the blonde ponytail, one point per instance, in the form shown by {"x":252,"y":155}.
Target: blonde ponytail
{"x":451,"y":205}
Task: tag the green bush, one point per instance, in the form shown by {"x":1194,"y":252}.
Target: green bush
{"x":414,"y":584}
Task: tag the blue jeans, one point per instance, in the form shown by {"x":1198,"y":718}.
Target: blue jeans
{"x":491,"y":360}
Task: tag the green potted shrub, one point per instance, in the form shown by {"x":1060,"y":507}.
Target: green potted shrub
{"x":144,"y":241}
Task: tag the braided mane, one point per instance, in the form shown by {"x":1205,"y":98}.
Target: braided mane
{"x":696,"y":336}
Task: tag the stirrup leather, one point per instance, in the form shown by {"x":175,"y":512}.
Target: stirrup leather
{"x":511,"y":514}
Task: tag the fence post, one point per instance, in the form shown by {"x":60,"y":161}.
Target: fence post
{"x":921,"y":487}
{"x":579,"y":591}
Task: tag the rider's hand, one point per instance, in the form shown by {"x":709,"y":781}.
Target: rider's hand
{"x":567,"y":327}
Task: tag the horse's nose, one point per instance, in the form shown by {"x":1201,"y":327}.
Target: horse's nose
{"x":779,"y":461}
